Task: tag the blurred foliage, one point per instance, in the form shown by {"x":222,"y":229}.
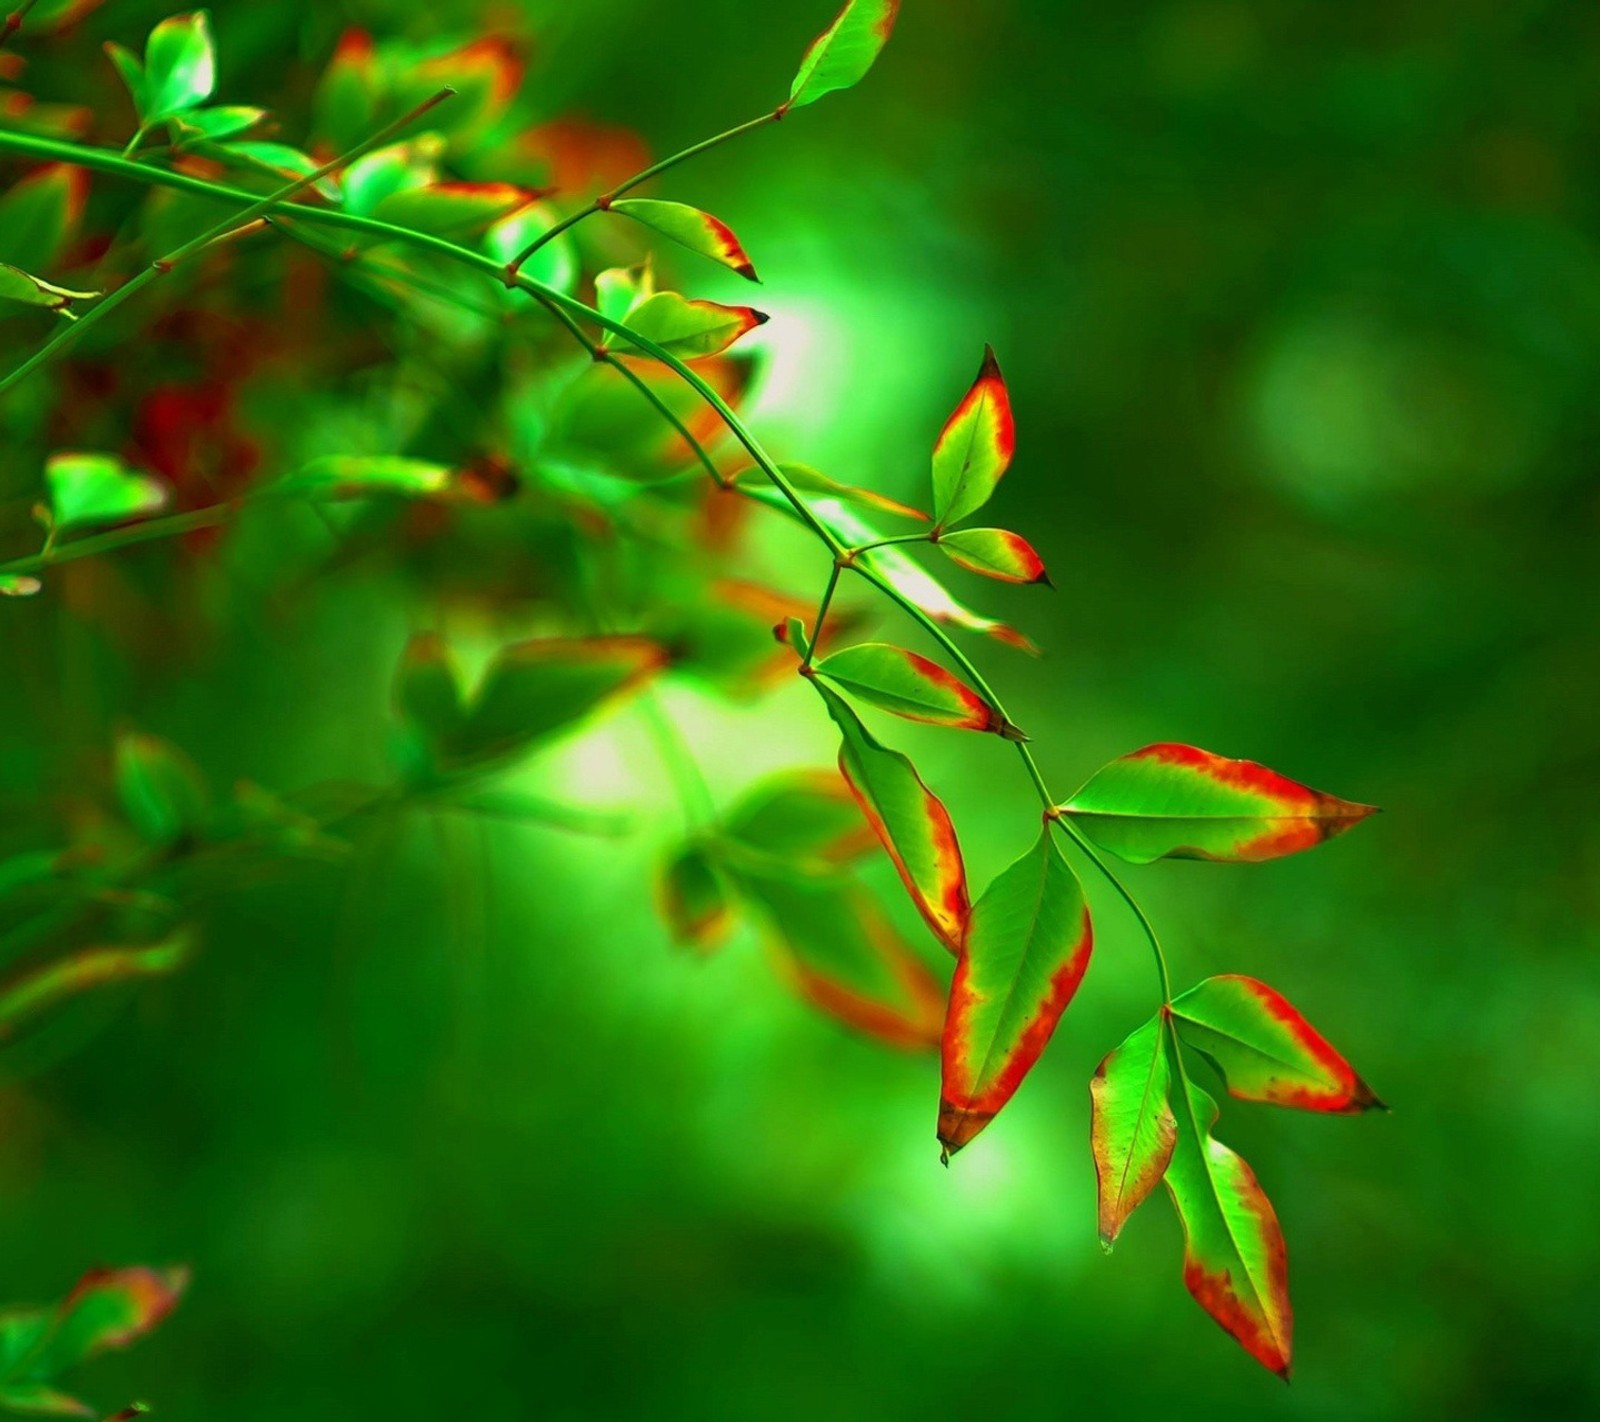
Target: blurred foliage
{"x":1301,"y":315}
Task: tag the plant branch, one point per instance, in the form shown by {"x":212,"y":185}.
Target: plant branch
{"x":1092,"y":855}
{"x":13,"y":21}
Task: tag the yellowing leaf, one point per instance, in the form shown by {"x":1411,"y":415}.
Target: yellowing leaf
{"x":841,"y":55}
{"x":1132,"y":1128}
{"x":691,"y":330}
{"x":975,"y":447}
{"x":689,"y":227}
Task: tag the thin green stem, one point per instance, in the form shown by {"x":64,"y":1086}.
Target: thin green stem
{"x":173,"y":526}
{"x":822,"y":615}
{"x":861,"y":548}
{"x":604,"y":201}
{"x":1092,"y":855}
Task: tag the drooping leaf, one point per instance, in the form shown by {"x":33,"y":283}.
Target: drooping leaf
{"x":689,"y":227}
{"x":533,"y":689}
{"x":691,"y":330}
{"x":693,"y":900}
{"x":975,"y":447}
{"x":180,"y":66}
{"x":449,"y":209}
{"x":1132,"y":1128}
{"x":41,"y":988}
{"x":1265,"y":1050}
{"x":359,"y":476}
{"x":88,"y":490}
{"x":1174,"y":801}
{"x":909,"y":685}
{"x":792,"y":630}
{"x":161,"y":791}
{"x":1027,"y":948}
{"x":910,"y":822}
{"x":811,"y":481}
{"x":29,"y":290}
{"x":994,"y":553}
{"x":841,"y":55}
{"x":844,"y":956}
{"x":803,"y":818}
{"x":39,"y":214}
{"x":1234,"y":1261}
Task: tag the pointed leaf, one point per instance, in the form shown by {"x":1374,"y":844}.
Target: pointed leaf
{"x":1174,"y":801}
{"x":693,"y":900}
{"x":131,"y":70}
{"x":1007,"y":557}
{"x":87,"y":490}
{"x":975,"y":447}
{"x":910,"y":822}
{"x":689,"y":227}
{"x":452,"y":208}
{"x":1132,"y":1128}
{"x":427,"y":691}
{"x":801,"y":816}
{"x":180,"y":66}
{"x":619,"y":290}
{"x":908,"y":685}
{"x":1265,"y":1050}
{"x":841,"y":55}
{"x":39,"y":214}
{"x":108,"y":1309}
{"x":215,"y":124}
{"x":29,"y":290}
{"x":1234,"y":1261}
{"x":359,"y":476}
{"x":691,"y":329}
{"x":42,"y":988}
{"x":1027,"y":949}
{"x":161,"y":792}
{"x":348,"y":93}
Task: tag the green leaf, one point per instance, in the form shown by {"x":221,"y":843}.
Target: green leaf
{"x":691,"y":330}
{"x":360,"y":476}
{"x":381,"y":174}
{"x":345,"y":105}
{"x":910,"y":822}
{"x":555,"y":263}
{"x":39,"y":214}
{"x":810,"y":481}
{"x":180,"y":66}
{"x":278,"y":160}
{"x":42,"y":1400}
{"x":1234,"y":1261}
{"x":909,"y":685}
{"x":841,"y":55}
{"x":805,"y":818}
{"x":994,"y":553}
{"x":619,"y":290}
{"x":1265,"y":1050}
{"x":161,"y":791}
{"x":18,"y":585}
{"x":20,"y":286}
{"x":131,"y":69}
{"x":689,"y":227}
{"x":693,"y":900}
{"x":40,"y":989}
{"x":1132,"y":1128}
{"x":214,"y":124}
{"x":446,"y":209}
{"x":975,"y":447}
{"x":1027,"y":948}
{"x":1174,"y":801}
{"x":87,"y":490}
{"x":427,"y":692}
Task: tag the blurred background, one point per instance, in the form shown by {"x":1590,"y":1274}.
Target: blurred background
{"x":1300,"y":309}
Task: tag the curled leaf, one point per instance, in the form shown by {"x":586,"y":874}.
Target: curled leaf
{"x":975,"y":447}
{"x":689,"y":227}
{"x":359,"y":476}
{"x":841,"y":55}
{"x":1132,"y":1128}
{"x":994,"y":553}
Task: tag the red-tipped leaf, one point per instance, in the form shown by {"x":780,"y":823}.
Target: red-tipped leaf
{"x":975,"y":447}
{"x":994,"y":553}
{"x":909,"y":685}
{"x":689,"y":227}
{"x":841,"y":55}
{"x":691,"y":330}
{"x":1132,"y":1128}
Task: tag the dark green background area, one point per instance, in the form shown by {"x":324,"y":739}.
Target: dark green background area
{"x":1300,"y":308}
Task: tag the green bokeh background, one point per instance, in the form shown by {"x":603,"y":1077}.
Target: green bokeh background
{"x":1300,"y":307}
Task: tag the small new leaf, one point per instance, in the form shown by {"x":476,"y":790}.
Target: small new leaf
{"x":90,"y":490}
{"x":909,"y":685}
{"x":689,"y":227}
{"x":841,"y":55}
{"x":975,"y":447}
{"x":180,"y":67}
{"x":1132,"y":1128}
{"x":994,"y":553}
{"x":1174,"y":801}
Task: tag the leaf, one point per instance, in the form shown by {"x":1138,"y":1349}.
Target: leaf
{"x":215,"y":124}
{"x":910,"y":822}
{"x":801,"y":816}
{"x":909,"y":685}
{"x":427,"y":694}
{"x":1174,"y":801}
{"x":975,"y":447}
{"x":535,"y":688}
{"x":107,"y":1309}
{"x":1265,"y":1050}
{"x":1027,"y":948}
{"x":1234,"y":1261}
{"x":810,"y":481}
{"x":452,"y":208}
{"x":619,"y":290}
{"x":18,"y":585}
{"x":693,"y":900}
{"x":180,"y":66}
{"x":397,"y":168}
{"x":345,"y":105}
{"x":359,"y":476}
{"x":844,"y":956}
{"x":1007,"y":557}
{"x":486,"y":74}
{"x":40,"y":1399}
{"x":20,"y":286}
{"x":88,"y":490}
{"x":689,"y":227}
{"x":555,"y":263}
{"x":39,"y":214}
{"x":131,"y":70}
{"x":841,"y":55}
{"x":276,"y":159}
{"x":691,"y":329}
{"x":40,"y":989}
{"x":161,"y":792}
{"x":1132,"y":1128}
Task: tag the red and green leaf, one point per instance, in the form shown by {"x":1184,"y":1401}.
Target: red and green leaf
{"x":40,"y":989}
{"x":360,"y":476}
{"x":689,"y":227}
{"x":841,"y":55}
{"x":446,"y":209}
{"x":1234,"y":1261}
{"x":1026,"y":950}
{"x":975,"y":447}
{"x":39,"y":215}
{"x":808,"y":818}
{"x":1132,"y":1128}
{"x":691,"y":330}
{"x":912,"y":825}
{"x":909,"y":685}
{"x":1174,"y":801}
{"x":994,"y":553}
{"x":1265,"y":1050}
{"x":345,"y":105}
{"x":693,"y":899}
